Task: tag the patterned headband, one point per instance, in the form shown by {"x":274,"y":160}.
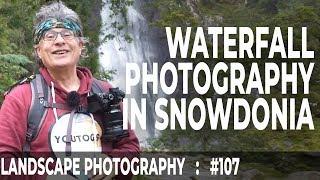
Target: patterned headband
{"x":54,"y":23}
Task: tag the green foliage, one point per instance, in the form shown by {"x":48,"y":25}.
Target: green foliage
{"x":173,"y":13}
{"x":12,"y":67}
{"x":118,"y":14}
{"x":119,"y":7}
{"x":15,"y":59}
{"x":106,"y":75}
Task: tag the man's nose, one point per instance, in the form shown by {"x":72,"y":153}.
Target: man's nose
{"x":59,"y":39}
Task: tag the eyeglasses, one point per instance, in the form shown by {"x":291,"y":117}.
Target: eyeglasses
{"x":52,"y":35}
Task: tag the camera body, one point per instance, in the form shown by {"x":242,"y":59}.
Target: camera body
{"x":108,"y":104}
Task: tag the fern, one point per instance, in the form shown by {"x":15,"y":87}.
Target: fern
{"x":12,"y":68}
{"x":15,"y":59}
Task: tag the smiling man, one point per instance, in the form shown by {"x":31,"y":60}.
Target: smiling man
{"x":50,"y":112}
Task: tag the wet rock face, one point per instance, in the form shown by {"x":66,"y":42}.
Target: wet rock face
{"x":252,"y":174}
{"x":95,"y":18}
{"x":310,"y":175}
{"x":193,"y":6}
{"x":233,"y":1}
{"x":209,"y":21}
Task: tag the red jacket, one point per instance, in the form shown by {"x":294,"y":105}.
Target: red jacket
{"x":14,"y":112}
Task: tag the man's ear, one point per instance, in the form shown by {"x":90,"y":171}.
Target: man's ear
{"x":81,"y":44}
{"x":37,"y":50}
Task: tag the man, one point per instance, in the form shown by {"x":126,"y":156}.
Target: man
{"x":59,"y":43}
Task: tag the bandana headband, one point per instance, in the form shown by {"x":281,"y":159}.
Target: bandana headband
{"x":54,"y":23}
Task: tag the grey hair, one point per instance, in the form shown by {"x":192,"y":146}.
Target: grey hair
{"x":58,"y":10}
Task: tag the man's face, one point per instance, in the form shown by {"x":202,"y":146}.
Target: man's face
{"x":59,"y":48}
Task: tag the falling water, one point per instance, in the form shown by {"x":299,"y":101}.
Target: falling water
{"x":116,"y":53}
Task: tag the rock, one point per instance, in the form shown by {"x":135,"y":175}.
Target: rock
{"x":192,"y":4}
{"x":252,"y":174}
{"x":288,"y":144}
{"x":308,"y":175}
{"x":313,"y":154}
{"x":212,"y":21}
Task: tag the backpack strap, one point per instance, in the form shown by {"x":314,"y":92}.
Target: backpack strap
{"x":97,"y":86}
{"x":25,"y":80}
{"x":37,"y":111}
{"x":39,"y":107}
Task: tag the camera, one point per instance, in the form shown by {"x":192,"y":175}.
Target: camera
{"x":108,"y":104}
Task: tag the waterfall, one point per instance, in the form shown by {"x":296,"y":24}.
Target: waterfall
{"x":115,"y":53}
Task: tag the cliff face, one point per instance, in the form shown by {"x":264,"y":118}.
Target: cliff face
{"x":95,"y":18}
{"x":251,"y":13}
{"x":192,"y":4}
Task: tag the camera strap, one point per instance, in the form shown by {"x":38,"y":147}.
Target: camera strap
{"x":97,"y":86}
